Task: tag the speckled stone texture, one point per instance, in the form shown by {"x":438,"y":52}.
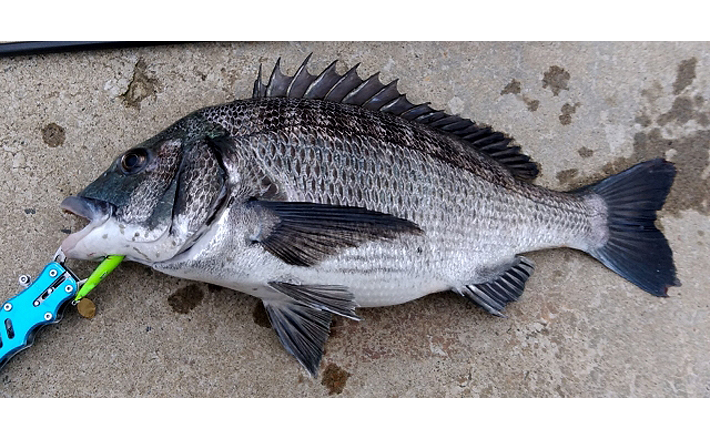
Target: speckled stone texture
{"x":583,"y":111}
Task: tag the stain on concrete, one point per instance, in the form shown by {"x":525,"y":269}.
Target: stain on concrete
{"x":141,"y":86}
{"x":567,"y":175}
{"x":334,"y":331}
{"x":532,"y":104}
{"x":335,"y":378}
{"x":681,"y":112}
{"x":53,"y":135}
{"x":643,"y":120}
{"x":689,"y":149}
{"x":513,"y":87}
{"x":186,"y":299}
{"x":685,"y":76}
{"x":585,"y":152}
{"x":557,"y":79}
{"x":567,"y":112}
{"x":260,"y":316}
{"x":685,"y":109}
{"x":212,"y":288}
{"x":690,"y":190}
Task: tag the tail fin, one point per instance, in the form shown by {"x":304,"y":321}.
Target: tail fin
{"x":636,"y":249}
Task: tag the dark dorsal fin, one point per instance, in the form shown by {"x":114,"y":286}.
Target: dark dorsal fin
{"x":373,"y":95}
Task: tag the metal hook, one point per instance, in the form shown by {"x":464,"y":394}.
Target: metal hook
{"x":59,"y":256}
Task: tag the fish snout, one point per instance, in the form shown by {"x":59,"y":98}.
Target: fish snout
{"x":96,"y":211}
{"x":89,"y":208}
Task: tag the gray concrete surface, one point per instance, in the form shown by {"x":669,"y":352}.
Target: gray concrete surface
{"x":582,"y":111}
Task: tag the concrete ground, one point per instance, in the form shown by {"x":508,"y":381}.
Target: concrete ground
{"x":583,"y":111}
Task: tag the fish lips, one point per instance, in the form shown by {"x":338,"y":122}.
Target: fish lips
{"x":96,"y":211}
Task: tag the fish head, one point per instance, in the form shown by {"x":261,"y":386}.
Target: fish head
{"x":149,"y":202}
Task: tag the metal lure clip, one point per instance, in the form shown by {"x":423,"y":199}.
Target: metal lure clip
{"x":37,"y":305}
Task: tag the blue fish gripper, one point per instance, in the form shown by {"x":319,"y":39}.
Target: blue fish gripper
{"x":38,"y":305}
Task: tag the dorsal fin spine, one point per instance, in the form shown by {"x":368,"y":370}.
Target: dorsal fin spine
{"x":416,"y":111}
{"x":311,"y":90}
{"x":430,"y":118}
{"x":379,"y":99}
{"x":301,"y":77}
{"x":446,"y":120}
{"x":398,"y":105}
{"x":350,"y":77}
{"x":259,"y":88}
{"x":455,"y":126}
{"x":356,"y":95}
{"x":276,"y":71}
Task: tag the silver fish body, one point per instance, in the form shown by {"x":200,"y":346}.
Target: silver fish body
{"x":326,"y":193}
{"x":473,"y":220}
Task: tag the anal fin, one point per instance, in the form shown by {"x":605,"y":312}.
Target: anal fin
{"x":301,"y":329}
{"x":508,"y":287}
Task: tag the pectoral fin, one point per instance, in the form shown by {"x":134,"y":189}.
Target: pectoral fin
{"x":306,"y":233}
{"x":301,"y":329}
{"x":508,"y":287}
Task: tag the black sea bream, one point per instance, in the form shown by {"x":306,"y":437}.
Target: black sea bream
{"x":325,"y":193}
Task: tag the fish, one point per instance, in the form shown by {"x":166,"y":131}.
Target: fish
{"x":325,"y":193}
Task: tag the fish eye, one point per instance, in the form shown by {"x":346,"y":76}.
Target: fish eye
{"x":134,"y":161}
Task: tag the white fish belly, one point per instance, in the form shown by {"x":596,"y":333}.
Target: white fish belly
{"x":381,"y":273}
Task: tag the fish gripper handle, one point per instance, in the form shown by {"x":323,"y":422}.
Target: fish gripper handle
{"x":37,"y":305}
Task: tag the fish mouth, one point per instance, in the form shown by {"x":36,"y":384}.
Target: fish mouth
{"x":96,"y":211}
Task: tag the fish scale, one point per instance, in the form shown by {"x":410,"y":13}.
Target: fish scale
{"x":325,"y":193}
